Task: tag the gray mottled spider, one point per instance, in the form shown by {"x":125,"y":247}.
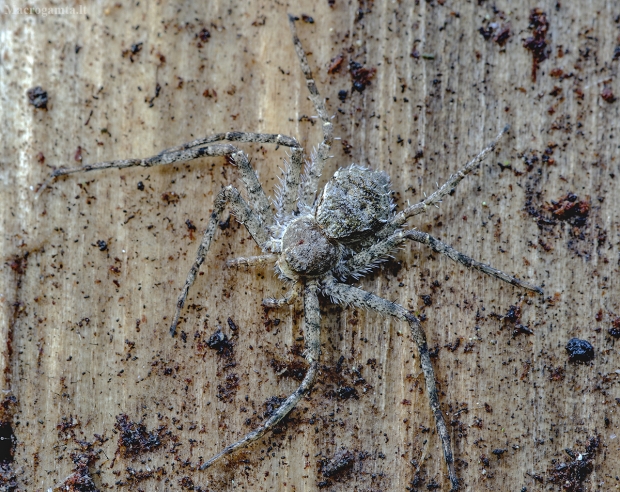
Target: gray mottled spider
{"x":318,"y":240}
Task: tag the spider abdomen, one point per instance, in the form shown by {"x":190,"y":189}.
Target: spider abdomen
{"x":355,"y":203}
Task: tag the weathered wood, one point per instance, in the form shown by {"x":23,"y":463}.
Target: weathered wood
{"x":85,"y":329}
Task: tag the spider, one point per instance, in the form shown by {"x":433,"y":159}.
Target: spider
{"x":318,"y":241}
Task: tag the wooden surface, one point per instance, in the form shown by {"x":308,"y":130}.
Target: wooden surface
{"x":85,"y":332}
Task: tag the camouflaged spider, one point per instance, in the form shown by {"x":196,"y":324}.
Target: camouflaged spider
{"x":317,"y":242}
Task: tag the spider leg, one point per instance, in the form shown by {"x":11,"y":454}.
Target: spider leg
{"x":290,"y":195}
{"x":347,"y":294}
{"x":236,"y":137}
{"x":310,"y":183}
{"x":312,"y":334}
{"x":156,"y":160}
{"x":251,"y":261}
{"x":256,"y":194}
{"x":290,"y":296}
{"x":244,"y":214}
{"x":365,"y":260}
{"x":445,"y":249}
{"x":288,"y":199}
{"x":445,"y":189}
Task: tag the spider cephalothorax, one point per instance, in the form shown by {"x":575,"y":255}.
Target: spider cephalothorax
{"x":318,"y":242}
{"x":355,"y":203}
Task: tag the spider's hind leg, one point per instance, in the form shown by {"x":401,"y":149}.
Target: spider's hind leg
{"x":367,"y":259}
{"x":312,"y":335}
{"x":445,"y":249}
{"x":349,"y":295}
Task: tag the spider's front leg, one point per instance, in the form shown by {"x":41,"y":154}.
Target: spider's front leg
{"x":313,"y":173}
{"x":312,"y":340}
{"x":207,"y":147}
{"x":348,"y":295}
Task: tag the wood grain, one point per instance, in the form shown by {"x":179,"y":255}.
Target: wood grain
{"x":84,"y":331}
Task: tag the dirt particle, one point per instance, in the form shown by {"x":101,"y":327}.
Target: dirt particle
{"x":135,"y":439}
{"x":537,"y":43}
{"x":186,"y":483}
{"x":38,"y":97}
{"x":226,"y":392}
{"x":77,"y":157}
{"x":220,"y":342}
{"x":580,"y":351}
{"x":556,"y":374}
{"x":170,"y":197}
{"x":233,"y":326}
{"x":570,"y":208}
{"x":361,"y":75}
{"x":135,"y":49}
{"x":571,"y":475}
{"x":8,"y":478}
{"x":499,"y":452}
{"x":346,"y":392}
{"x":335,"y":64}
{"x":80,"y":480}
{"x":498,"y":33}
{"x":608,"y":95}
{"x":204,"y":35}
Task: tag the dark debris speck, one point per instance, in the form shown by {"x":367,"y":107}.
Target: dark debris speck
{"x":579,"y":350}
{"x":571,"y":475}
{"x":219,"y":341}
{"x":38,"y":97}
{"x":537,"y":43}
{"x":134,"y":439}
{"x":346,"y":392}
{"x":361,"y":75}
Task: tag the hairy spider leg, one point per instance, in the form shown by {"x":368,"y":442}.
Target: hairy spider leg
{"x":248,"y":137}
{"x":288,"y":199}
{"x":313,"y":172}
{"x":290,"y":296}
{"x":361,"y":262}
{"x":445,"y":249}
{"x":251,"y":261}
{"x":194,"y":150}
{"x":244,"y":215}
{"x":289,"y":195}
{"x":312,"y":340}
{"x":445,"y":189}
{"x":348,"y":295}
